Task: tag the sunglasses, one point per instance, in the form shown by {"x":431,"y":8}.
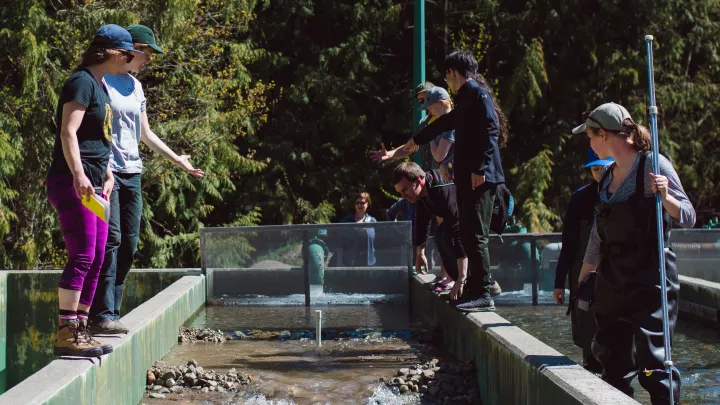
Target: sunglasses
{"x":129,"y":56}
{"x":360,"y":202}
{"x":586,"y":116}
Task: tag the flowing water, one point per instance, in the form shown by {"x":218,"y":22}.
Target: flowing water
{"x":696,"y":349}
{"x":298,"y":372}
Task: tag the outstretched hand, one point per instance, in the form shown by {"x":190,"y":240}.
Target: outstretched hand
{"x":380,"y":155}
{"x":184,"y":163}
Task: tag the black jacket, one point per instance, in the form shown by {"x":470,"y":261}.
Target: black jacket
{"x":476,"y":135}
{"x":441,"y":201}
{"x":577,"y":226}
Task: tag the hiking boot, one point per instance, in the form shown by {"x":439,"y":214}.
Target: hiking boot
{"x":83,"y":329}
{"x":105,"y":326}
{"x":495,"y":289}
{"x":71,"y":341}
{"x":482,"y":303}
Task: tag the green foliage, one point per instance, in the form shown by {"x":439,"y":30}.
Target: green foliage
{"x":535,"y":178}
{"x":279,"y":101}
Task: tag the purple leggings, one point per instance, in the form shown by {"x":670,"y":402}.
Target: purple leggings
{"x":85,"y":237}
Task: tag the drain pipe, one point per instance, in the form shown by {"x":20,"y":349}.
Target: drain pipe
{"x":318,"y":327}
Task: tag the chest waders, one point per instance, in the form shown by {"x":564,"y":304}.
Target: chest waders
{"x":630,"y":299}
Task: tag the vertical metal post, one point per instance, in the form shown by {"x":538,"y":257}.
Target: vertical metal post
{"x":306,"y":265}
{"x":318,"y":327}
{"x":535,"y":275}
{"x":418,"y":66}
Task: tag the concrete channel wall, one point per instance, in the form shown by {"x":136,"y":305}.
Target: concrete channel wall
{"x":3,"y":331}
{"x":31,"y":298}
{"x":120,"y":378}
{"x":700,"y":299}
{"x":513,"y":366}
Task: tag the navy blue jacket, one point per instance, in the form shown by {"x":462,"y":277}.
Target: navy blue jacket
{"x":476,"y":135}
{"x":577,"y":226}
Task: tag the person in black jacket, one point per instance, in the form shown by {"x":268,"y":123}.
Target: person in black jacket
{"x":434,"y":197}
{"x":480,"y":130}
{"x":577,"y":225}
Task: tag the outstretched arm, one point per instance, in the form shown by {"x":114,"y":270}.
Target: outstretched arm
{"x":148,"y":137}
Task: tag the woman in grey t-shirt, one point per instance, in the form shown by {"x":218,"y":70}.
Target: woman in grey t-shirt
{"x":623,"y":243}
{"x":129,"y":127}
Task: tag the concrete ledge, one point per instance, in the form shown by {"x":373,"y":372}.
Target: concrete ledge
{"x":700,"y":299}
{"x":3,"y":330}
{"x":120,"y":379}
{"x":513,"y":366}
{"x":32,"y":299}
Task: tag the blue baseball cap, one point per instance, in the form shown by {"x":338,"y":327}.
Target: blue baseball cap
{"x":594,"y":160}
{"x":434,"y":95}
{"x":113,"y":36}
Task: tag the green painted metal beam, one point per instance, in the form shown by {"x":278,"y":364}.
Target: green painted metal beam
{"x":418,"y":66}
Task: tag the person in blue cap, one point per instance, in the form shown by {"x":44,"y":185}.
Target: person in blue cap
{"x":79,"y":171}
{"x":577,"y":225}
{"x":130,"y":126}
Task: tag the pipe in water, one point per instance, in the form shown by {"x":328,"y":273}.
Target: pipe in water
{"x":318,"y":327}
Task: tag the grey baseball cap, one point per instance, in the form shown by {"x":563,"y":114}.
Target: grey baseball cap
{"x":433,"y":96}
{"x":423,"y":87}
{"x":609,"y":116}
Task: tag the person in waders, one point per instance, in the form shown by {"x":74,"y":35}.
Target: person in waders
{"x":577,"y":225}
{"x":623,"y":249}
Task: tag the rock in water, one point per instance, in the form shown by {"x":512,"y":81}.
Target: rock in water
{"x":157,"y":396}
{"x":151,"y":378}
{"x":170,"y":382}
{"x":404,"y":389}
{"x":403,"y":372}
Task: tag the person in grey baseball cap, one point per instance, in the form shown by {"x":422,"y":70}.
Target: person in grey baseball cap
{"x":624,"y":252}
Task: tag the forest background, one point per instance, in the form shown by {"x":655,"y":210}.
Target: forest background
{"x":280,"y":101}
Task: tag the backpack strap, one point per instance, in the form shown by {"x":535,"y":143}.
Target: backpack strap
{"x":605,"y":176}
{"x":640,"y":175}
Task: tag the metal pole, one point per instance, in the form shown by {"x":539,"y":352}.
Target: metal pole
{"x":418,"y":66}
{"x":318,"y":327}
{"x":535,"y":277}
{"x":658,"y":213}
{"x":306,"y":265}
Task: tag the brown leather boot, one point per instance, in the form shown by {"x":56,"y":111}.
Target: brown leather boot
{"x":86,"y":333}
{"x":70,"y":341}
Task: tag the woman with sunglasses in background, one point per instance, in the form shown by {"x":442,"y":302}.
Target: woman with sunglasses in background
{"x":130,"y":125}
{"x":357,"y":246}
{"x":623,"y":249}
{"x":80,"y":170}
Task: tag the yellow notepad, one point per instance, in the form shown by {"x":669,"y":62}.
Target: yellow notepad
{"x":98,"y":206}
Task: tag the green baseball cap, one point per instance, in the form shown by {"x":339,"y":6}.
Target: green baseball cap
{"x":609,"y":116}
{"x":144,"y":35}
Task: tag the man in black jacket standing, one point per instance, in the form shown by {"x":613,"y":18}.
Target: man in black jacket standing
{"x":435,"y":197}
{"x":480,"y":129}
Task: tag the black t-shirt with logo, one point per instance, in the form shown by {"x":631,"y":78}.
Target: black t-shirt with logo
{"x":95,"y":132}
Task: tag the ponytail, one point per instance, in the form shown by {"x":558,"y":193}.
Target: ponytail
{"x":638,"y":133}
